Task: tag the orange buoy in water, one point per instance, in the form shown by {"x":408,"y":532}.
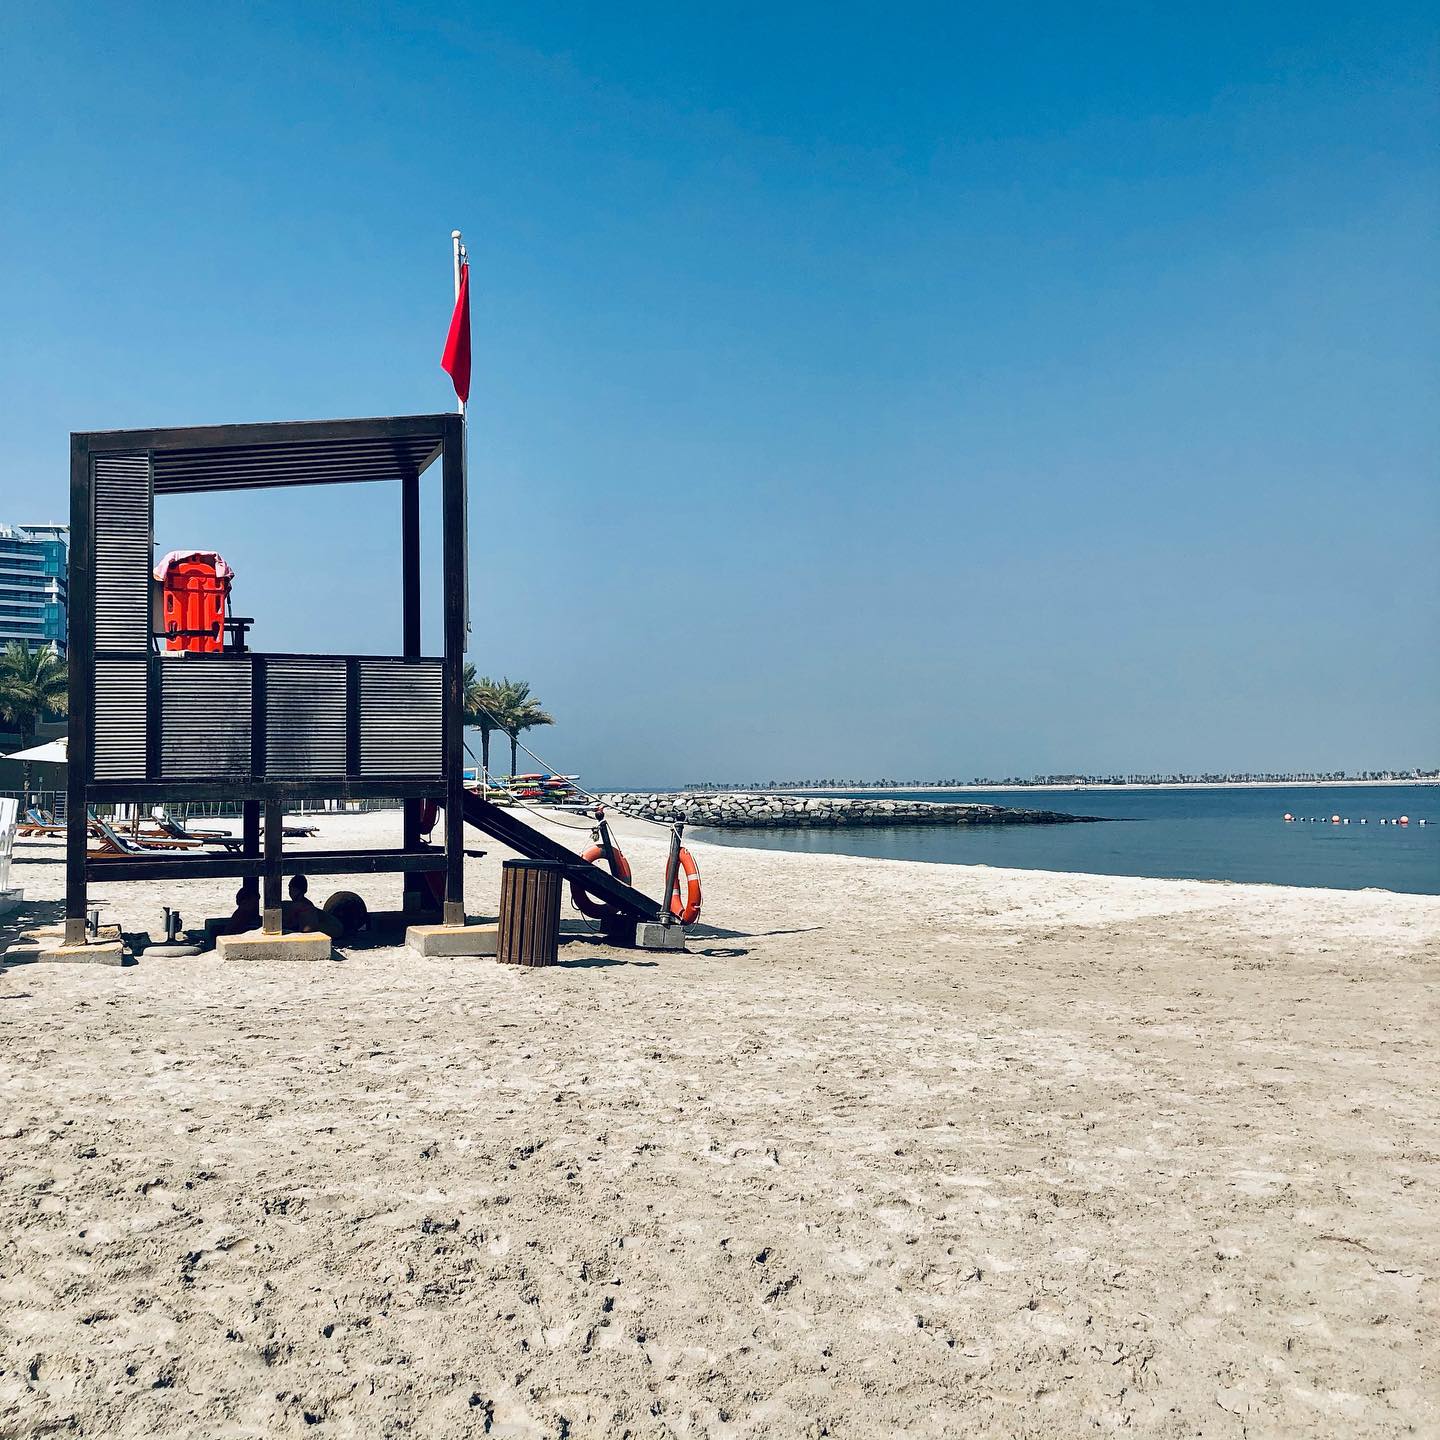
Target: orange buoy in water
{"x":1289,"y":818}
{"x":1404,"y":819}
{"x":1334,"y":819}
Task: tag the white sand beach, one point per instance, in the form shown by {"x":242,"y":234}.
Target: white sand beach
{"x":896,"y":1149}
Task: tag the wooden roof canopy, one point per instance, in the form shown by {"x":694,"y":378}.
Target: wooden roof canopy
{"x":319,"y":452}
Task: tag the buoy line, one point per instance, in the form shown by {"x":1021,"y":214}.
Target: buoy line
{"x":1398,"y":821}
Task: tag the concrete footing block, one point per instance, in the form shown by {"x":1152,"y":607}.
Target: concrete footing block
{"x":95,"y":952}
{"x":435,"y":941}
{"x":45,"y":944}
{"x":660,"y":937}
{"x":258,"y":945}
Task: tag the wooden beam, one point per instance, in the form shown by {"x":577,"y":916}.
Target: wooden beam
{"x":186,"y":865}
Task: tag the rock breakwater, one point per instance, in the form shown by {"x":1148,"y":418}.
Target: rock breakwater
{"x":737,"y":810}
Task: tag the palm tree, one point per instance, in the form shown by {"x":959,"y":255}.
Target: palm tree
{"x":34,"y":686}
{"x":520,"y":711}
{"x":484,"y":701}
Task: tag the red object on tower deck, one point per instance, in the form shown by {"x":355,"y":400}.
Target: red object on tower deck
{"x":194,"y":591}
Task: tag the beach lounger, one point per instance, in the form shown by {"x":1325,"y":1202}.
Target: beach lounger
{"x":39,"y":822}
{"x":174,"y":829}
{"x":113,"y":844}
{"x":170,"y":828}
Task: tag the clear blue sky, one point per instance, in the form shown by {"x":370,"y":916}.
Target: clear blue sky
{"x":860,"y":390}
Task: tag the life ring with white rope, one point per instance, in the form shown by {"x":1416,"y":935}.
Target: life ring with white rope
{"x":685,"y":898}
{"x":585,"y":903}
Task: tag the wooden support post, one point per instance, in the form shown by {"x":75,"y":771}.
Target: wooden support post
{"x":410,"y":565}
{"x":454,"y":571}
{"x":82,"y":679}
{"x":414,"y":895}
{"x":273,"y":920}
{"x":250,"y":845}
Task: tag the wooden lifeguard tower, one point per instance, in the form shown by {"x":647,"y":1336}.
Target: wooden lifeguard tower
{"x":270,"y":729}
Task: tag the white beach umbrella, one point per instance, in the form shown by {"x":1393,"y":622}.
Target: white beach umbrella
{"x":52,"y":752}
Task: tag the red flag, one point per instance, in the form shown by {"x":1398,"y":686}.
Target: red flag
{"x":456,"y":360}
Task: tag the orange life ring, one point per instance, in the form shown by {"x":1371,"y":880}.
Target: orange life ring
{"x":685,"y":899}
{"x":585,"y":903}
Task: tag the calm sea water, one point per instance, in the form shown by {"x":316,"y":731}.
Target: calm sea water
{"x":1188,"y":834}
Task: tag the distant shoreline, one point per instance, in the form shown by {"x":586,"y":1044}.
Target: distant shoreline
{"x":1087,"y":786}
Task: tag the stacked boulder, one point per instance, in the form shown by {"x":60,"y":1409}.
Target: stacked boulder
{"x":730,"y":809}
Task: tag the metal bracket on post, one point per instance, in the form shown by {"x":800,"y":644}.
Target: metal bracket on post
{"x":601,"y":835}
{"x":672,"y":872}
{"x":667,"y":933}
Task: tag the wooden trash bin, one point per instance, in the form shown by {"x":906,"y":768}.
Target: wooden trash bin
{"x":529,"y":932}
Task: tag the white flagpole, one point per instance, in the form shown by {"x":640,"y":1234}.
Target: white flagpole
{"x":457,"y":245}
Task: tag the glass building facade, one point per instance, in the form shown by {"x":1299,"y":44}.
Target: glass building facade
{"x":34,"y":582}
